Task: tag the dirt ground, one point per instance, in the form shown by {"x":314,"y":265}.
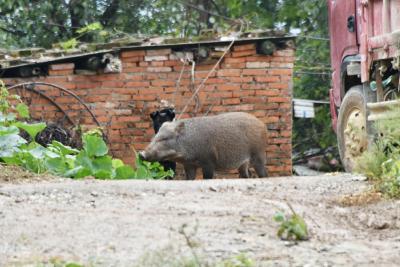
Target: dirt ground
{"x":115,"y":223}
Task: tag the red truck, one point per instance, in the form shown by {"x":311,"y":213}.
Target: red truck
{"x":365,"y":57}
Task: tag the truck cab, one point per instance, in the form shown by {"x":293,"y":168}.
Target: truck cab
{"x":365,"y":58}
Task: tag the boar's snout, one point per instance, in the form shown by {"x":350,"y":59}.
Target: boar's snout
{"x":142,"y":155}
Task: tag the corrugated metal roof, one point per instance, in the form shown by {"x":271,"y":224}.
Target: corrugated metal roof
{"x":14,"y":59}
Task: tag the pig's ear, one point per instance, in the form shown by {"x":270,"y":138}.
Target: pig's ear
{"x":153,"y":114}
{"x":180,"y":128}
{"x":172,"y":114}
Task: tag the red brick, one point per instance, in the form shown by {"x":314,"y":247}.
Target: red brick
{"x":284,"y":53}
{"x":229,"y":73}
{"x":279,"y":99}
{"x":254,"y":86}
{"x":245,"y":107}
{"x":243,"y":93}
{"x":230,"y":60}
{"x":231,"y":101}
{"x":95,"y":98}
{"x":135,"y":69}
{"x":134,"y":53}
{"x":268,"y":92}
{"x":244,"y":53}
{"x":253,"y":100}
{"x":259,"y":58}
{"x":137,"y":84}
{"x":143,"y":64}
{"x":140,"y":146}
{"x":234,"y":65}
{"x":215,"y":80}
{"x":144,"y":97}
{"x":228,"y":87}
{"x":268,"y":78}
{"x":142,"y":124}
{"x":280,"y":72}
{"x":163,"y":83}
{"x":255,"y":72}
{"x":112,"y":84}
{"x":60,"y":72}
{"x":172,"y":63}
{"x":225,"y":94}
{"x":244,"y":47}
{"x":158,"y":52}
{"x":133,"y":59}
{"x":88,"y":85}
{"x":65,"y":66}
{"x":279,"y":85}
{"x":159,"y":69}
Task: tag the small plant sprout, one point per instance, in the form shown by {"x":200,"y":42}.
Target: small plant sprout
{"x":293,"y":228}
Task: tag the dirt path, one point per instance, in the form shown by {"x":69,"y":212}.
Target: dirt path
{"x":114,"y":223}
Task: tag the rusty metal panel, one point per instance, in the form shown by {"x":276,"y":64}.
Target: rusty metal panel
{"x":395,"y":15}
{"x":343,"y":42}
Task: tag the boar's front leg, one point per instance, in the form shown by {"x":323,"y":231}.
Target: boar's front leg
{"x":244,"y":170}
{"x":190,"y":171}
{"x":208,"y":171}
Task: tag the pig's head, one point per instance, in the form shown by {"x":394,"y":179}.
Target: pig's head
{"x":159,"y":117}
{"x":165,"y":145}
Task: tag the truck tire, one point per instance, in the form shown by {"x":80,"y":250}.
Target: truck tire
{"x":352,"y":127}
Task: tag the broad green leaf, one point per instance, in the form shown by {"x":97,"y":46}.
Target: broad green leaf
{"x":32,"y":129}
{"x":13,"y":160}
{"x":83,"y":160}
{"x":116,"y":163}
{"x":8,"y":117}
{"x":23,"y":110}
{"x":38,"y":152}
{"x":81,"y":172}
{"x":142,"y":173}
{"x":4,"y":130}
{"x":103,"y":174}
{"x":29,"y":162}
{"x":125,"y":172}
{"x":9,"y":144}
{"x":65,"y":150}
{"x":94,"y":145}
{"x":103,"y":163}
{"x":56,"y":166}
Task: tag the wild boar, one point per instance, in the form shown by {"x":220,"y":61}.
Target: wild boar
{"x":233,"y":140}
{"x":159,"y":117}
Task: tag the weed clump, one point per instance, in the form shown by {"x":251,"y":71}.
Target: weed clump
{"x":381,"y":162}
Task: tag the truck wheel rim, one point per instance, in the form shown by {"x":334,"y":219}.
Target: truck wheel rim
{"x":355,"y":137}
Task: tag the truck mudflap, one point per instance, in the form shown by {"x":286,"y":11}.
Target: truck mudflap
{"x":332,"y":108}
{"x":383,"y":110}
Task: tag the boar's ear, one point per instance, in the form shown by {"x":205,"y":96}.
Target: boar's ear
{"x":180,"y":128}
{"x":153,"y":114}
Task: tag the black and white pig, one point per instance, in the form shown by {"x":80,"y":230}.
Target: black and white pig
{"x":233,"y":140}
{"x":158,"y":118}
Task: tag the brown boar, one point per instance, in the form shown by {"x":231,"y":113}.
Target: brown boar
{"x":233,"y":140}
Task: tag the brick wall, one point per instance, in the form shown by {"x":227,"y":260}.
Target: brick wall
{"x":244,"y":81}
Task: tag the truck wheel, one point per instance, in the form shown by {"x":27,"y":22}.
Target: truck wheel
{"x":352,"y":127}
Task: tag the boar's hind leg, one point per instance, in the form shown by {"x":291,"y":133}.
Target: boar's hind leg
{"x":259,"y":165}
{"x":244,"y":170}
{"x":208,"y":172}
{"x":190,"y":171}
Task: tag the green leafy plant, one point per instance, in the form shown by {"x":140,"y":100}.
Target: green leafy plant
{"x":381,"y":162}
{"x":292,"y":228}
{"x":56,"y":158}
